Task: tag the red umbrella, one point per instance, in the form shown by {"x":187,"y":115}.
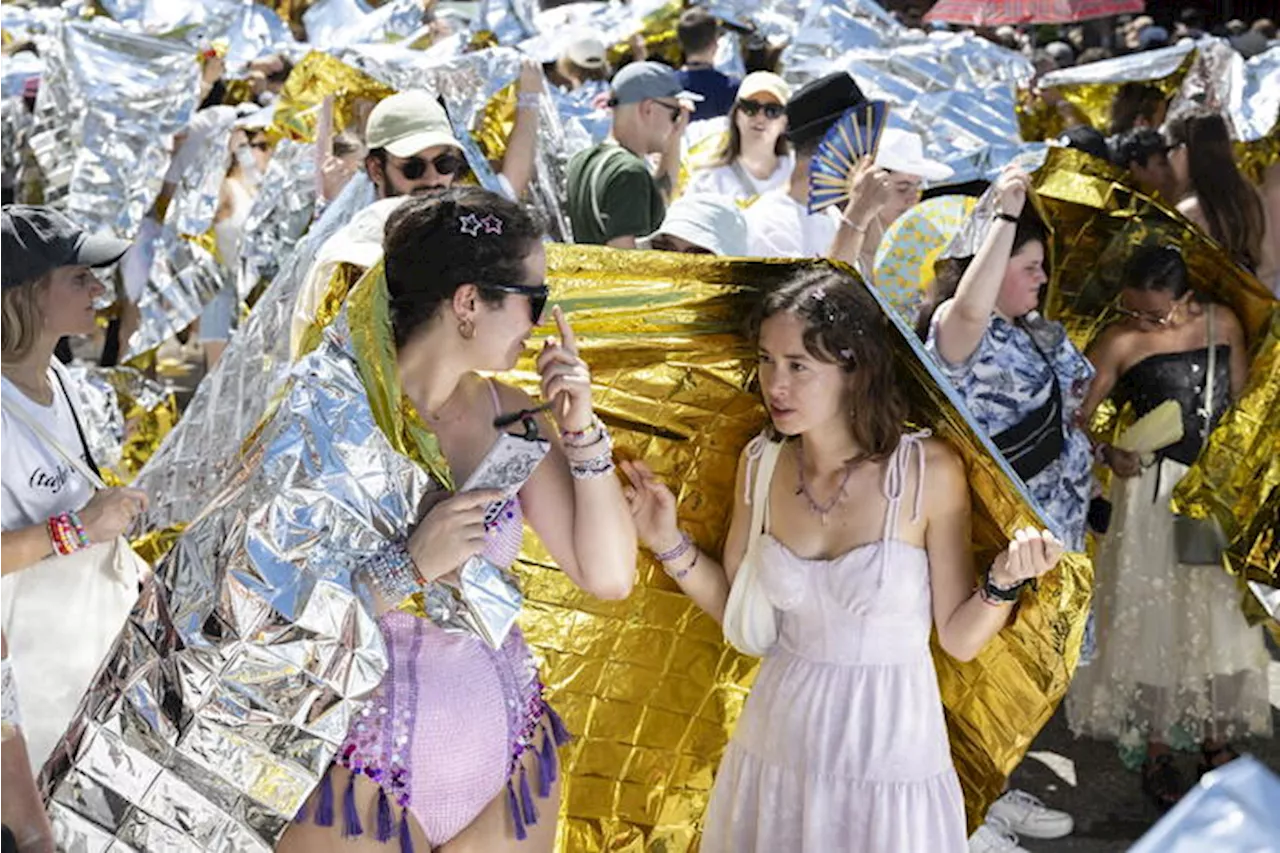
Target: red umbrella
{"x":993,"y":13}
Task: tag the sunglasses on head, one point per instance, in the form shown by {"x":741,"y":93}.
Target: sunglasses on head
{"x":752,"y":108}
{"x":444,"y":164}
{"x":537,"y":293}
{"x":1154,"y":319}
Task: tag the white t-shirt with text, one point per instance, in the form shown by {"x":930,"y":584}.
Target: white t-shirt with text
{"x":36,"y":482}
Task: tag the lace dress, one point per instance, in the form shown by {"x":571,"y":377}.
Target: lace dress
{"x":1176,"y":661}
{"x":842,"y":745}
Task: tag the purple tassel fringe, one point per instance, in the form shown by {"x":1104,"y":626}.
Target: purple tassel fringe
{"x":546,"y":767}
{"x":385,"y":825}
{"x":351,"y":827}
{"x":528,"y":812}
{"x":561,"y":734}
{"x":514,"y":808}
{"x":406,"y":837}
{"x":324,"y":812}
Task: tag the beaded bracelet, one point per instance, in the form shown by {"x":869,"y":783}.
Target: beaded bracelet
{"x":683,"y":573}
{"x":677,"y":552}
{"x":67,"y":533}
{"x":584,"y":438}
{"x":596,"y":466}
{"x":392,"y":573}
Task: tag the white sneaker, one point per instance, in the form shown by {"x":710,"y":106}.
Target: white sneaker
{"x":994,"y":836}
{"x":1026,"y":815}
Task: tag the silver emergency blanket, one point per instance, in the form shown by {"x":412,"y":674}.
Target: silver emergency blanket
{"x":1254,"y":105}
{"x":1231,"y":810}
{"x":18,"y":69}
{"x":195,"y":199}
{"x":238,"y":674}
{"x":109,"y":103}
{"x":196,"y":457}
{"x":280,"y":214}
{"x":100,"y":414}
{"x":184,"y":277}
{"x":331,"y":24}
{"x":510,"y":21}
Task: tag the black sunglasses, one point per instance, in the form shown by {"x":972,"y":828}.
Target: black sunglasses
{"x":676,"y":110}
{"x":537,"y":293}
{"x":752,"y":108}
{"x":445,"y":164}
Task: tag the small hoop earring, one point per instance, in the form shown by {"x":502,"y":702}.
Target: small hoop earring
{"x":467,"y":329}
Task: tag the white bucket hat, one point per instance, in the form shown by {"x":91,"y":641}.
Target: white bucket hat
{"x":713,"y":222}
{"x":903,"y":151}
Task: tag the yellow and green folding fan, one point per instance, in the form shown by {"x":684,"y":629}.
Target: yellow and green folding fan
{"x":854,"y":136}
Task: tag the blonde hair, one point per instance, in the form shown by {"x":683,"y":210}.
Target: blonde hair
{"x":20,"y":319}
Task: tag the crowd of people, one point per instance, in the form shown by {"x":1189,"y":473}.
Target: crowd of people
{"x":850,"y":529}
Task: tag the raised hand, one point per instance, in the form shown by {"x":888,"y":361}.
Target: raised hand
{"x":566,"y":381}
{"x":653,"y":508}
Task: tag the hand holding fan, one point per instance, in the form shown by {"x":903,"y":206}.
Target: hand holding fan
{"x":854,"y":136}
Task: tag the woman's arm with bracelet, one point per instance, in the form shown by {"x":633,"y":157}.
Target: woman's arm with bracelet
{"x":107,"y":515}
{"x":700,"y":575}
{"x":522,"y":147}
{"x":967,"y":620}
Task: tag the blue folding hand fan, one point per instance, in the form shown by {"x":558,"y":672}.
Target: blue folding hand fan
{"x":855,"y":135}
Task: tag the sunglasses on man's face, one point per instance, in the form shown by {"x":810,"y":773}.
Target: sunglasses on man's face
{"x":444,"y":164}
{"x":537,"y":293}
{"x":676,"y":110}
{"x":751,"y":109}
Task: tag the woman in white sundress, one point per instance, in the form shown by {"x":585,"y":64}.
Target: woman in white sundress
{"x":842,"y":745}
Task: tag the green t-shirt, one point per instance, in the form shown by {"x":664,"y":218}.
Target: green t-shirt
{"x":628,"y":200}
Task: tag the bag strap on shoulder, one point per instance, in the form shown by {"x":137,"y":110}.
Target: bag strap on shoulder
{"x":759,"y":489}
{"x":77,"y":464}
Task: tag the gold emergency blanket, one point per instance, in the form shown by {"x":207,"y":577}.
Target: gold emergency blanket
{"x":648,"y":685}
{"x":1097,"y":221}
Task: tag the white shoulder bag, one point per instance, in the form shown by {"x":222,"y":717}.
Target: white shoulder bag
{"x":61,"y":617}
{"x":750,"y":622}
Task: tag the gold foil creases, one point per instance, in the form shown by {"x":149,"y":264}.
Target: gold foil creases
{"x":315,"y":77}
{"x":648,"y":685}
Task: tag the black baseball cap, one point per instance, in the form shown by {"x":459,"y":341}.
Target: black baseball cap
{"x":819,"y":104}
{"x":38,"y":240}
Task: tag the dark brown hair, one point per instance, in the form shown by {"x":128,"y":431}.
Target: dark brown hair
{"x":844,"y":326}
{"x":732,"y":148}
{"x":429,"y":255}
{"x":1134,"y":101}
{"x":697,"y":30}
{"x":1231,"y":206}
{"x":947,"y":272}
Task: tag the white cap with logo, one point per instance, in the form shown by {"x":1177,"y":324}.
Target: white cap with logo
{"x":409,"y":122}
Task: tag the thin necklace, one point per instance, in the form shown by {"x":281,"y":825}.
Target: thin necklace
{"x":822,"y":511}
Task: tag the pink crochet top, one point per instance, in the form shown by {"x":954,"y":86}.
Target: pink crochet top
{"x":446,"y":730}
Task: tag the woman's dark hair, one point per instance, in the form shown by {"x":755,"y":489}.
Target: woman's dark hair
{"x":1156,"y":268}
{"x":844,"y":326}
{"x":431,"y":251}
{"x":1230,"y":204}
{"x":947,"y":272}
{"x":732,"y":148}
{"x":1134,"y":101}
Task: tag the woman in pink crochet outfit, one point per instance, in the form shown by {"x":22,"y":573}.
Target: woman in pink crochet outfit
{"x":455,"y":751}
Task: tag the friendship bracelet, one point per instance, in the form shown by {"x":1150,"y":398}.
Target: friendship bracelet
{"x":1000,"y":593}
{"x":392,"y":573}
{"x":82,"y":536}
{"x":677,"y":552}
{"x":589,"y":469}
{"x":993,"y":602}
{"x":67,"y":533}
{"x":578,"y":438}
{"x":683,"y":573}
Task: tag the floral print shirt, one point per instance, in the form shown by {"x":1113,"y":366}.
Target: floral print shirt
{"x":1007,"y":378}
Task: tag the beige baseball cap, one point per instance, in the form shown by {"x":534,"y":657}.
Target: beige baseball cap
{"x":764,"y":82}
{"x":586,"y":52}
{"x":409,"y":122}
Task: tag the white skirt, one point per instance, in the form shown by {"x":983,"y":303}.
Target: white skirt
{"x":1176,"y":661}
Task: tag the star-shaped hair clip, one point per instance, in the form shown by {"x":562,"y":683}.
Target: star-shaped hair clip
{"x":469,"y":225}
{"x":492,"y":224}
